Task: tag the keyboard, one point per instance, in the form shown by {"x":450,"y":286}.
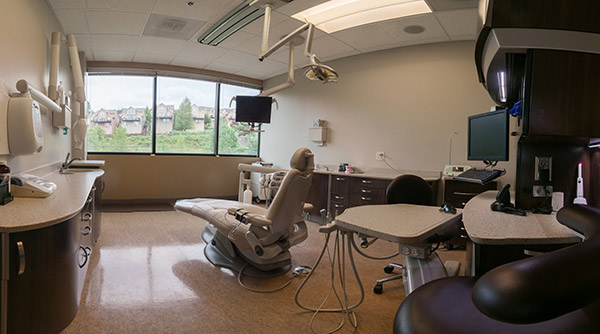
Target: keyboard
{"x":479,"y":175}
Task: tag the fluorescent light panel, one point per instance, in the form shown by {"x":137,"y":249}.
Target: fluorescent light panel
{"x":338,"y":15}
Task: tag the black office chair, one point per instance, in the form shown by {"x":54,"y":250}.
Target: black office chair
{"x":558,"y":292}
{"x":407,"y":189}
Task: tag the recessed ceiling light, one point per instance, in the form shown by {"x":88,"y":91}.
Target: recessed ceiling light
{"x":337,"y":15}
{"x":190,"y":3}
{"x":414,"y":29}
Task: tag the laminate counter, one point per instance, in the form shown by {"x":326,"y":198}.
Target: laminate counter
{"x":485,"y":226}
{"x":384,"y":174}
{"x":25,"y":214}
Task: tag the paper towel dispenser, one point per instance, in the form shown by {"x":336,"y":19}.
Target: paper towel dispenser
{"x":24,"y":126}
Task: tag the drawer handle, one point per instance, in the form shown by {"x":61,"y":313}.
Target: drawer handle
{"x":21,"y":249}
{"x":87,"y":230}
{"x":89,"y":200}
{"x":84,"y":257}
{"x":366,"y":198}
{"x":338,"y":197}
{"x":365,"y":191}
{"x":86,"y":217}
{"x":338,"y":205}
{"x":367,"y":181}
{"x":462,"y":236}
{"x":340,"y":179}
{"x":465,"y":194}
{"x":463,"y":204}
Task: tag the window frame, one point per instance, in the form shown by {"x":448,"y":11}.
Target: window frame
{"x":156,"y":75}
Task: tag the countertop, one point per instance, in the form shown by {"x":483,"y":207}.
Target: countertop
{"x":24,"y":214}
{"x":385,"y":174}
{"x":485,"y":226}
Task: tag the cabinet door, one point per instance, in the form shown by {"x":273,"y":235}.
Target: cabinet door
{"x":317,"y":193}
{"x":563,"y":97}
{"x":43,"y":297}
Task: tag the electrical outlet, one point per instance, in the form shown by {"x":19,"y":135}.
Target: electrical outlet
{"x":543,"y":163}
{"x":539,"y":191}
{"x":380,"y":156}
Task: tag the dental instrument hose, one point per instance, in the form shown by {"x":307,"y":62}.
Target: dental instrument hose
{"x":239,"y":279}
{"x":344,"y":308}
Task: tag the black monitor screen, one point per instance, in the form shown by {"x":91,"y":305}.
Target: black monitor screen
{"x":488,"y":136}
{"x":255,"y":109}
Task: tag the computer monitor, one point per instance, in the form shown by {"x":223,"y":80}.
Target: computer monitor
{"x":253,"y":109}
{"x":488,"y":136}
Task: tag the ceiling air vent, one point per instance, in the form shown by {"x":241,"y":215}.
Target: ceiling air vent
{"x":171,"y":26}
{"x":236,"y":19}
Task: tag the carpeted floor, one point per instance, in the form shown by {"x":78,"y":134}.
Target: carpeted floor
{"x":148,"y":274}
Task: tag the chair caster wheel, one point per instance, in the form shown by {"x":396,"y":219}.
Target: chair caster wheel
{"x":378,"y":289}
{"x":388,"y":269}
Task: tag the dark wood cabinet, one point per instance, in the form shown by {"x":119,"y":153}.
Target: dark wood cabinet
{"x":562,"y":96}
{"x":458,"y":193}
{"x":317,"y":193}
{"x":47,"y":272}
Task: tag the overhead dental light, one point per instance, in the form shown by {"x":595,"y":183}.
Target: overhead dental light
{"x":318,"y":71}
{"x":336,"y":15}
{"x":239,"y":17}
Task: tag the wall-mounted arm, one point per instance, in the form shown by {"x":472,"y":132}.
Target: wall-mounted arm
{"x":23,"y":86}
{"x":57,"y":37}
{"x":76,"y":68}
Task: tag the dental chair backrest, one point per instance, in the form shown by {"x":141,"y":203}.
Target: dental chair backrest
{"x":286,"y":208}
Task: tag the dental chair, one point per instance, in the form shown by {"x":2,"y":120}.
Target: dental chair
{"x":557,"y":292}
{"x":247,"y":237}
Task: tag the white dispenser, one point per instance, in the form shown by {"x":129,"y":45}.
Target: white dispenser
{"x":25,"y":132}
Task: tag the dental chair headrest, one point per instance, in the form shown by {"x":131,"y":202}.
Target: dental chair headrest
{"x":302,"y":160}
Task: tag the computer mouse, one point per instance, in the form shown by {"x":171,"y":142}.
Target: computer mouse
{"x":448,"y":208}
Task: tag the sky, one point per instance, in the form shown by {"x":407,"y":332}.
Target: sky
{"x":117,"y":92}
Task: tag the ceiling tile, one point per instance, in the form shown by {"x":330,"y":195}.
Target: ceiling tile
{"x":239,"y":59}
{"x":67,"y":4}
{"x":197,"y":50}
{"x":152,"y":58}
{"x":462,"y":22}
{"x":382,"y":47}
{"x":236,"y":39}
{"x":223,"y":67}
{"x":73,"y":21}
{"x":340,"y":55}
{"x":252,"y":45}
{"x":282,"y":55}
{"x":428,"y":21}
{"x":327,"y":46}
{"x":123,"y":23}
{"x":205,"y":10}
{"x":143,"y":6}
{"x":365,"y":36}
{"x":452,"y":4}
{"x":298,"y":6}
{"x":116,"y":43}
{"x":112,"y":56}
{"x":84,"y":43}
{"x":256,"y":27}
{"x":464,"y":38}
{"x":190,"y":62}
{"x":426,"y":41}
{"x":162,"y":46}
{"x":269,"y":66}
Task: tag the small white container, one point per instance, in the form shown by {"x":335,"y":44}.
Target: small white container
{"x":558,"y":200}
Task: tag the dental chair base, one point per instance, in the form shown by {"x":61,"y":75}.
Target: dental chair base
{"x":221,"y":253}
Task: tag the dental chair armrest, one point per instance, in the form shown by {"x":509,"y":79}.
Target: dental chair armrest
{"x":258,"y":220}
{"x":247,"y":217}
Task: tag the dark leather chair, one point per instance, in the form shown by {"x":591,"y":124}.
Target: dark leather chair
{"x":407,"y":189}
{"x":557,"y":292}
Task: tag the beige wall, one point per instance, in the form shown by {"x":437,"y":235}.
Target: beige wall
{"x":25,"y":29}
{"x":168,"y":177}
{"x":405,"y":102}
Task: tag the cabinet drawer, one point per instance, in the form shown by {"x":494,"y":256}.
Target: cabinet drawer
{"x":357,"y":199}
{"x":369,"y":183}
{"x":340,"y":184}
{"x":338,"y":207}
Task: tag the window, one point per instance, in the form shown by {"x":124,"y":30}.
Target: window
{"x":120,"y":116}
{"x":233,"y":136}
{"x":120,"y":113}
{"x":186,"y":109}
